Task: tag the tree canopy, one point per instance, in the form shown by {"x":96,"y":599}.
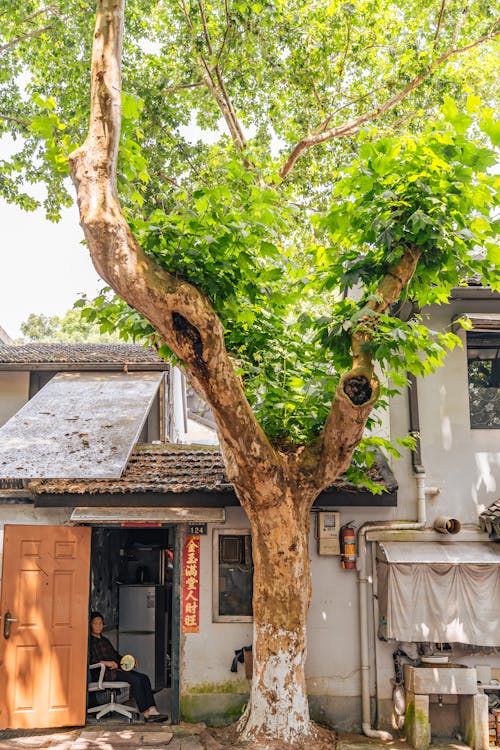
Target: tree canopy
{"x":72,"y":327}
{"x":264,"y":219}
{"x":346,"y":169}
{"x":275,"y":79}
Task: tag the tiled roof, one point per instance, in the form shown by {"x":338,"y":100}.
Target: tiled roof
{"x":152,"y":468}
{"x":176,"y":469}
{"x":29,"y":355}
{"x":489,"y":520}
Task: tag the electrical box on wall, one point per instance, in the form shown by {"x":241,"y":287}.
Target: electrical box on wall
{"x":328,"y":528}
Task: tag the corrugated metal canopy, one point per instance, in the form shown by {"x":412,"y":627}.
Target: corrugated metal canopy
{"x":80,"y":425}
{"x":451,"y":553}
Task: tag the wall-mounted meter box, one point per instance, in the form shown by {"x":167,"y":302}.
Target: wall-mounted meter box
{"x":327,"y":532}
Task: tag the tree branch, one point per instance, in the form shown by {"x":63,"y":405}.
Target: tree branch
{"x":205,"y":28}
{"x":41,"y":11}
{"x":358,"y":389}
{"x":183,"y":316}
{"x":24,"y":37}
{"x":226,"y":32}
{"x":323,"y":125}
{"x":440,"y":20}
{"x":216,"y":86}
{"x":461,"y":20}
{"x":352,"y":126}
{"x":18,"y":120}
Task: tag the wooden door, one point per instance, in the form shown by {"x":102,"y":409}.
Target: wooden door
{"x":45,"y":594}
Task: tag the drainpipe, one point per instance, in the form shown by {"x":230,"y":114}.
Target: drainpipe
{"x":420,"y":523}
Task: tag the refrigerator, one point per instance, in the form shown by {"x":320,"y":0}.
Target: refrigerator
{"x":142,"y":629}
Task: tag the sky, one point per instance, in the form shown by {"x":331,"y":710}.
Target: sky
{"x":43,"y":266}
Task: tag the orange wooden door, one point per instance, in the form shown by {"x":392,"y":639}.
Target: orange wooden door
{"x":43,"y":661}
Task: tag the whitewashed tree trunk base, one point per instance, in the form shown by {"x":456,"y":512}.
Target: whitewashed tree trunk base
{"x":278,"y":704}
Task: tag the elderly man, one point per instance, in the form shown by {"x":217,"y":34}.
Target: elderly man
{"x":102,"y":650}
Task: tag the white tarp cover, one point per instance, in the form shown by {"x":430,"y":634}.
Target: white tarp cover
{"x":81,"y":425}
{"x":440,"y":592}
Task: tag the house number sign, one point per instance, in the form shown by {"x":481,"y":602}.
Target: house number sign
{"x":191,"y":585}
{"x":198,"y":528}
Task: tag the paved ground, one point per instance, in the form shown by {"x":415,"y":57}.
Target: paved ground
{"x":111,"y":737}
{"x":360,"y":742}
{"x":115,"y":736}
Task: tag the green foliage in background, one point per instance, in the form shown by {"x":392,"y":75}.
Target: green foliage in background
{"x":73,"y":327}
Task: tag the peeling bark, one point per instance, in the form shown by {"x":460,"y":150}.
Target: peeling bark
{"x":278,"y":704}
{"x":178,"y":311}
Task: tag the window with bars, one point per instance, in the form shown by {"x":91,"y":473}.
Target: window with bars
{"x":232,"y":576}
{"x":483,"y":362}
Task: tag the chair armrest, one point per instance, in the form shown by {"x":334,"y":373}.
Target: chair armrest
{"x":101,"y":673}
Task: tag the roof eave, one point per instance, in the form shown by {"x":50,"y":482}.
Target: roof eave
{"x":87,"y":366}
{"x":474,"y":293}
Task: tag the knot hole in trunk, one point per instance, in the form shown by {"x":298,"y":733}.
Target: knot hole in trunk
{"x":187,"y":333}
{"x":358,"y":389}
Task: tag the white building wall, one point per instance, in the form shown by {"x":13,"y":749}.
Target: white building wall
{"x":464,"y":464}
{"x":461,"y":463}
{"x":332,"y":668}
{"x":207,"y":655}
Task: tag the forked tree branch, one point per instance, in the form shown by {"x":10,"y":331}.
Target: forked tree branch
{"x":182,"y":316}
{"x":352,"y":126}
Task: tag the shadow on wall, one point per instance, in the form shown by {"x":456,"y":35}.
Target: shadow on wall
{"x":486,"y":488}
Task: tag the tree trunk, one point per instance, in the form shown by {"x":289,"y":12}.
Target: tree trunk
{"x":278,"y":706}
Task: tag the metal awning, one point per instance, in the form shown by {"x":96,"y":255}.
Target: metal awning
{"x":440,"y":592}
{"x":80,"y":425}
{"x":451,"y":553}
{"x":145,"y":515}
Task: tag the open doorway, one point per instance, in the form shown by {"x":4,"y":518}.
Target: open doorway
{"x":131,"y":584}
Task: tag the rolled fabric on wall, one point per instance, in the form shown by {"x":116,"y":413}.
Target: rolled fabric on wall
{"x":446,"y":525}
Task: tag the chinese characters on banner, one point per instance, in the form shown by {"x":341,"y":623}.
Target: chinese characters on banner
{"x":191,"y":585}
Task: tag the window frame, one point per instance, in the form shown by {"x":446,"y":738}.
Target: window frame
{"x":490,"y":331}
{"x":216,"y":534}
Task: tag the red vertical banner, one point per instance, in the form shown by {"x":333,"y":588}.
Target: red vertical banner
{"x":191,"y":585}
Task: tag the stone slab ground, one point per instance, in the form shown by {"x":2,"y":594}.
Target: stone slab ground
{"x":112,"y":736}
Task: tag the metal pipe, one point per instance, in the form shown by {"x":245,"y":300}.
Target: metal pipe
{"x":446,"y":525}
{"x":420,"y":523}
{"x":363,"y":600}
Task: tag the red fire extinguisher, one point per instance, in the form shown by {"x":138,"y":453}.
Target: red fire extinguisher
{"x":347,"y":547}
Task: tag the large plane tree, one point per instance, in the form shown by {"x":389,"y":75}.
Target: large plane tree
{"x":236,"y":254}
